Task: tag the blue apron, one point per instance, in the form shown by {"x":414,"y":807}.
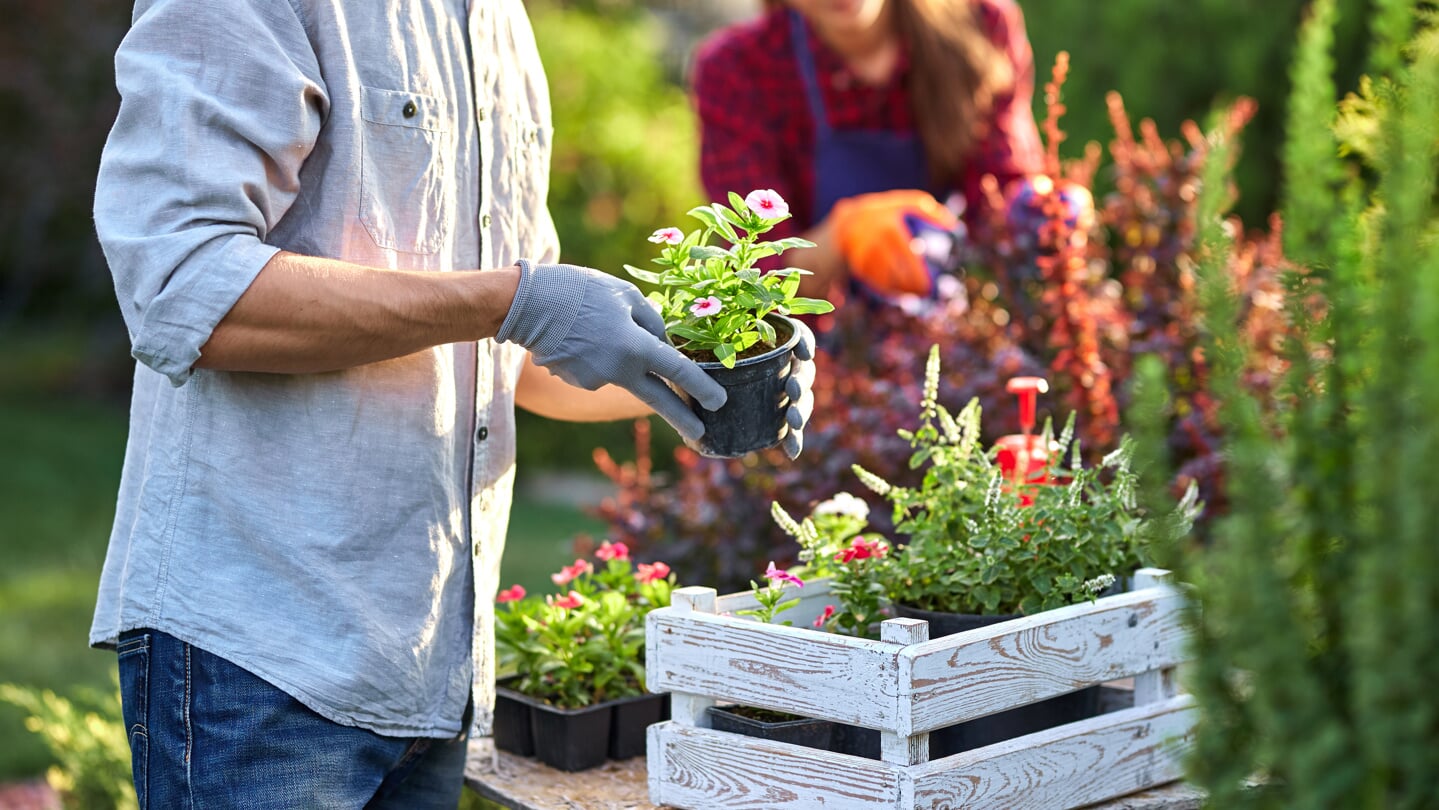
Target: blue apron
{"x":848,"y":162}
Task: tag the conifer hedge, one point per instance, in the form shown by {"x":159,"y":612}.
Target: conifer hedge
{"x":1317,"y":597}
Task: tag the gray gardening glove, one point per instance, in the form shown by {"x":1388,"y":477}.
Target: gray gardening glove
{"x":590,"y":328}
{"x":801,"y":401}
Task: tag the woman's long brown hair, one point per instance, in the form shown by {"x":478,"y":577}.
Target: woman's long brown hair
{"x":955,"y":74}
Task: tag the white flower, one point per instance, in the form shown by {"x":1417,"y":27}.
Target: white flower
{"x":844,"y":504}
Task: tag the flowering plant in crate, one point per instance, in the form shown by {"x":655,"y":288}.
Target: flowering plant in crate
{"x":980,"y":542}
{"x":586,"y":644}
{"x":715,"y":302}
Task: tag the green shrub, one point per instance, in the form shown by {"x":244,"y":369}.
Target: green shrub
{"x":1316,"y":655}
{"x":87,"y":737}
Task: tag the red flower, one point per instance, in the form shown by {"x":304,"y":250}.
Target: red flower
{"x":612,"y":551}
{"x":569,"y":572}
{"x":574,"y":600}
{"x":825,"y":616}
{"x":862,"y":548}
{"x":512,"y":594}
{"x":651,"y":573}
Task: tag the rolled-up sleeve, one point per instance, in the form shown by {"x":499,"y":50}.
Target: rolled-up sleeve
{"x":221,"y":103}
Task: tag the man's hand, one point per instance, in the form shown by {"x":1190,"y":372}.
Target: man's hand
{"x":876,"y":235}
{"x":590,"y":328}
{"x":801,"y":401}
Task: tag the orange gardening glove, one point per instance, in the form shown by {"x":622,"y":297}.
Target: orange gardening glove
{"x":876,"y":234}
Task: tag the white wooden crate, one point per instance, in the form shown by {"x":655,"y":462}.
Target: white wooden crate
{"x":906,"y":686}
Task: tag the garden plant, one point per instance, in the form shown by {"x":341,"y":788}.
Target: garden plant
{"x":1317,"y":595}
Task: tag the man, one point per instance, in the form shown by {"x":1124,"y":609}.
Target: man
{"x":294,"y":202}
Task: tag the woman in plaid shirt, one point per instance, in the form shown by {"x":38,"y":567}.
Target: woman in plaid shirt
{"x":863,"y":114}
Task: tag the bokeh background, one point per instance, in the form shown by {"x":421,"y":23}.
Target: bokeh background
{"x":624,"y":162}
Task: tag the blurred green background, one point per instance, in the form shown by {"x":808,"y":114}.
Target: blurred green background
{"x":624,"y":162}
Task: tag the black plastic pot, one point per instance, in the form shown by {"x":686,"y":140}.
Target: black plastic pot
{"x":804,"y":731}
{"x":753,"y":418}
{"x":631,"y":722}
{"x":856,"y":741}
{"x":571,"y":739}
{"x":512,"y":721}
{"x":1004,"y":725}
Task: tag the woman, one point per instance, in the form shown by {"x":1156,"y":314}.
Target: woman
{"x":861,"y":113}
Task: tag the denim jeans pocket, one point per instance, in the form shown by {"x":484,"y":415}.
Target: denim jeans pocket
{"x":134,"y":661}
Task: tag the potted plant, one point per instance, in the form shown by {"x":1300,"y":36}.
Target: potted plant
{"x":986,"y":543}
{"x":724,"y":313}
{"x":774,"y":598}
{"x":578,"y":696}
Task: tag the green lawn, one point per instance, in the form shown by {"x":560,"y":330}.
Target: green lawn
{"x":59,"y":470}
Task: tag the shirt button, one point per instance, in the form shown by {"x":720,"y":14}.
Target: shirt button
{"x":481,"y":114}
{"x":482,"y":433}
{"x":410,"y":109}
{"x":485,"y":220}
{"x":477,"y":548}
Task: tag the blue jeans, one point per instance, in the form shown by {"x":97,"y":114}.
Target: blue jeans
{"x":205,"y":733}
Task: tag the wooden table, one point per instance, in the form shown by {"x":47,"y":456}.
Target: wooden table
{"x":524,"y":784}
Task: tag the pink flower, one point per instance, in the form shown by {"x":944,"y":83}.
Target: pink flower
{"x":511,"y":594}
{"x":652,"y":573}
{"x":773,"y":574}
{"x":668,"y":236}
{"x":767,"y":204}
{"x":705,"y":306}
{"x":574,"y":600}
{"x":825,"y":616}
{"x":612,"y":551}
{"x":861,"y":548}
{"x":569,"y":572}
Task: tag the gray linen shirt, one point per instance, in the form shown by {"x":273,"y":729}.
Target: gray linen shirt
{"x":336,"y":534}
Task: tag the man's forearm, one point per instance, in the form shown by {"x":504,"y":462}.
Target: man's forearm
{"x":304,"y":314}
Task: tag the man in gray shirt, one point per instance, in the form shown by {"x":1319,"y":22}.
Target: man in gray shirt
{"x":298,"y":202}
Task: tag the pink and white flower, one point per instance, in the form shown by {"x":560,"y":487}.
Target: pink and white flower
{"x":667,"y":236}
{"x":778,"y":575}
{"x":767,"y":203}
{"x":705,"y":307}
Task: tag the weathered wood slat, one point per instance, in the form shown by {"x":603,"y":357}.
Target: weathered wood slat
{"x":700,"y":768}
{"x":789,"y":669}
{"x":983,"y":671}
{"x":1070,"y":766}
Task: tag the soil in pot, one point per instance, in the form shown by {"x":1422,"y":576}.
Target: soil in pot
{"x":632,"y":719}
{"x":1004,"y":725}
{"x":571,"y":739}
{"x":753,"y":418}
{"x":772,"y":725}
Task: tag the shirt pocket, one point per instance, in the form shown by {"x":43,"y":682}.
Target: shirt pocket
{"x":405,"y":203}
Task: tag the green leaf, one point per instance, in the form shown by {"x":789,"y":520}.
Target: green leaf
{"x":737,"y":202}
{"x":643,"y":275}
{"x":688,"y":332}
{"x":705,"y":214}
{"x":725,"y":354}
{"x":766,"y":332}
{"x":701,"y":253}
{"x":809,"y":306}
